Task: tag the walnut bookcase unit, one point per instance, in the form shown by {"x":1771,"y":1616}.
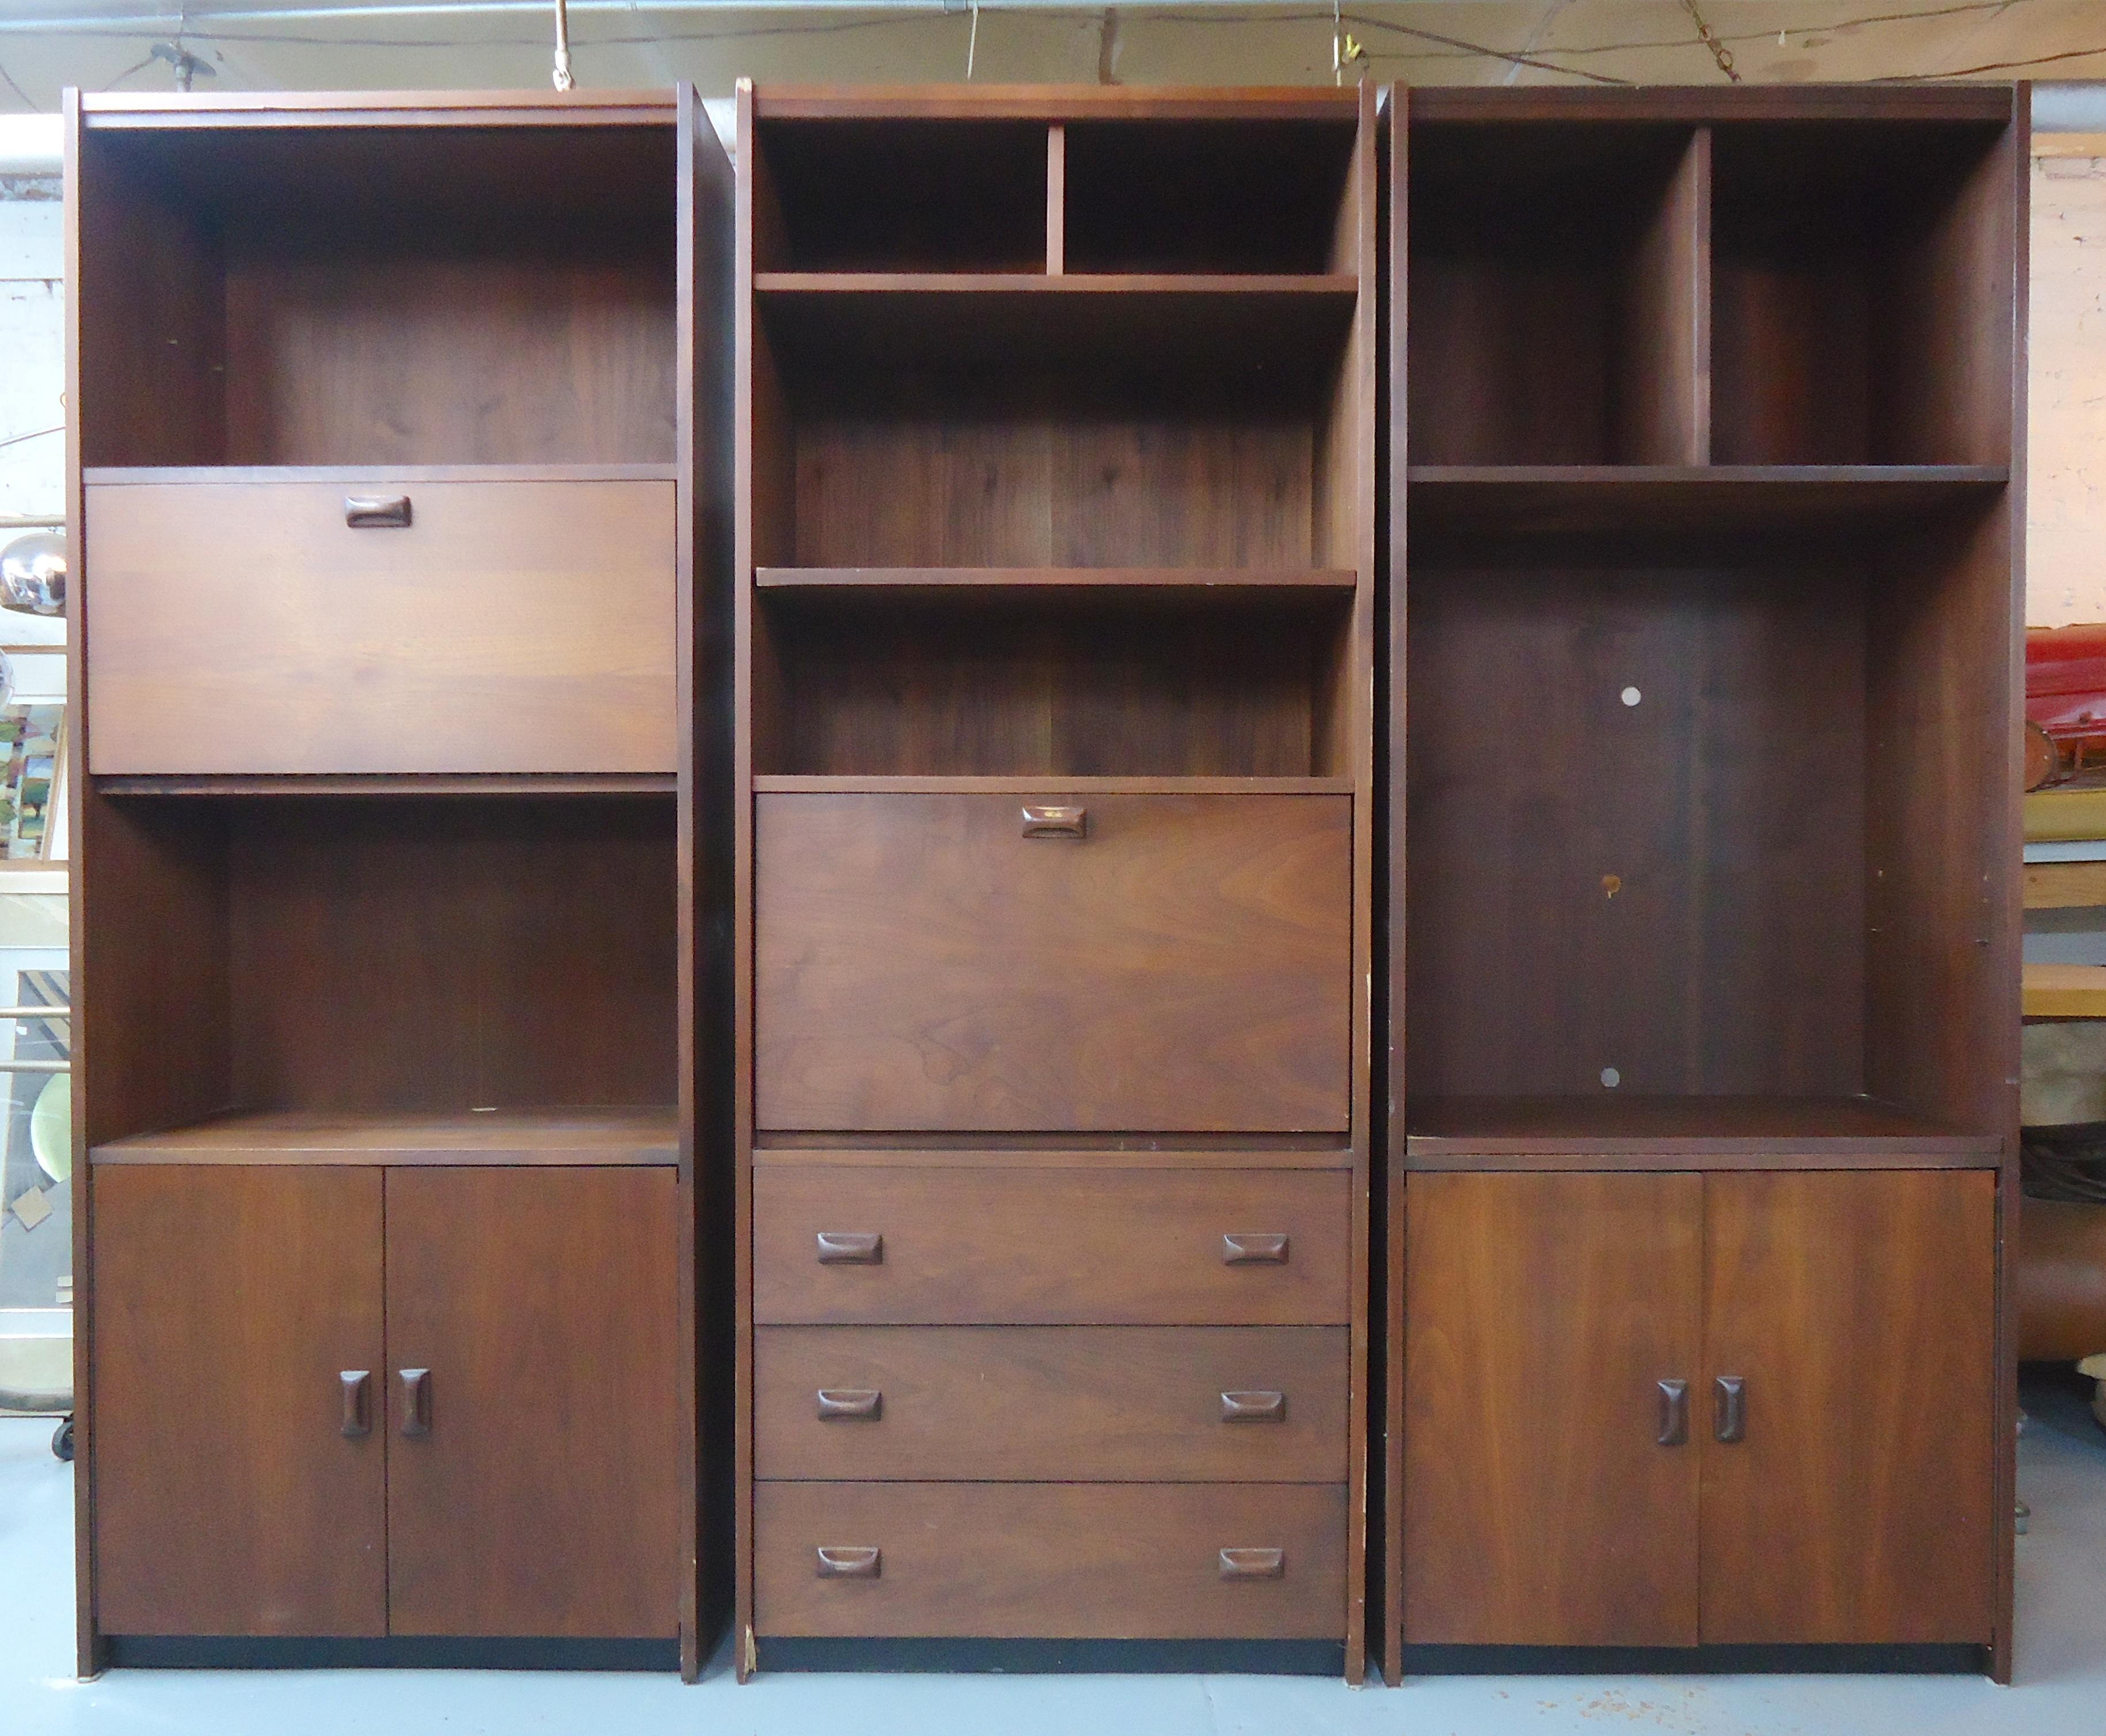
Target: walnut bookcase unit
{"x":1704,"y":557}
{"x":400,"y":459}
{"x":1055,"y":664}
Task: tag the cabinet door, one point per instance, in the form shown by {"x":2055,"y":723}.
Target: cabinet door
{"x":1858,"y":1312}
{"x":1541,"y":1505}
{"x":533,"y":1488}
{"x":238,"y":1488}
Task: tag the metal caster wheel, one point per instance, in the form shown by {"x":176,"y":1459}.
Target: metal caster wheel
{"x":62,"y":1442}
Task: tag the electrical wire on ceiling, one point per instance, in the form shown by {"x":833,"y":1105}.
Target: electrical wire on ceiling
{"x":1428,"y":45}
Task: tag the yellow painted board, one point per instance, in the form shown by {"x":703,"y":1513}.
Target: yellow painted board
{"x":2065,"y":816}
{"x":2065,"y":991}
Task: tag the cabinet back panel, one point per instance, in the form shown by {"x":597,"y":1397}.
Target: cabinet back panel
{"x":467,"y":359}
{"x":1673,"y":888}
{"x":1043,"y":489}
{"x":452,"y":953}
{"x":1030,"y":687}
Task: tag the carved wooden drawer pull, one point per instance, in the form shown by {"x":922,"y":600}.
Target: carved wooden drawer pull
{"x":851,"y":1248}
{"x":851,"y":1563}
{"x":838,"y":1403}
{"x":1253,"y":1563}
{"x":1268,"y":1249}
{"x":1253,"y":1407}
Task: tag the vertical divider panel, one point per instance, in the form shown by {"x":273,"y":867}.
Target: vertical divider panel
{"x":1056,"y":199}
{"x":1664,"y":411}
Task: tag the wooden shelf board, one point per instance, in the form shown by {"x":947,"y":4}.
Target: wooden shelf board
{"x":1547,"y":500}
{"x":111,"y":476}
{"x":1342,"y":284}
{"x":389,"y":784}
{"x":1055,"y":578}
{"x":1618,"y":1132}
{"x":555,"y":1136}
{"x":2064,"y":991}
{"x":1041,"y":784}
{"x":2064,"y":885}
{"x":2065,"y":816}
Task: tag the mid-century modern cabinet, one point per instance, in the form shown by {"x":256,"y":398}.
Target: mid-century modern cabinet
{"x":399,"y":471}
{"x":1055,"y":610}
{"x":1703,"y":560}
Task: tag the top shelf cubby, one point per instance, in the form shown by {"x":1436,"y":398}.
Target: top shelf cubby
{"x":1650,"y":287}
{"x":1068,"y":184}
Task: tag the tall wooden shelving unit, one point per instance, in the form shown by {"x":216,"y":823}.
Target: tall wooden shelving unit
{"x":1055,"y":569}
{"x":1704,"y":557}
{"x":400,"y":459}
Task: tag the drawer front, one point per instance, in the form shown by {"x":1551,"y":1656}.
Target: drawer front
{"x":1185,"y":964}
{"x":245,"y":627}
{"x":1045,"y":1404}
{"x":1020,"y":1247}
{"x":994,"y":1561}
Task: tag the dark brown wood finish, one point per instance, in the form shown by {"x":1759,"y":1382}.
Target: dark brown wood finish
{"x":1017,"y":1246}
{"x":1046,"y":1404}
{"x":484,"y":295}
{"x":1825,"y":977}
{"x":238,"y":1491}
{"x":1542,"y":1313}
{"x":1858,"y":1508}
{"x":1173,"y":963}
{"x":545,"y":1498}
{"x":1084,"y":1560}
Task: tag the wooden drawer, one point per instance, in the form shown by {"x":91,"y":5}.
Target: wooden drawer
{"x":1133,"y":1561}
{"x":1023,"y":1247}
{"x":242,"y":626}
{"x":1186,"y":964}
{"x":1033,"y":1404}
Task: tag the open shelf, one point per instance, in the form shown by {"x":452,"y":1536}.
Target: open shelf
{"x":1610,"y":1129}
{"x":1852,"y":322}
{"x":384,"y":783}
{"x":350,"y":958}
{"x":563,"y":1136}
{"x":364,"y":293}
{"x":1555,"y":285}
{"x":1208,"y":680}
{"x":1584,"y":500}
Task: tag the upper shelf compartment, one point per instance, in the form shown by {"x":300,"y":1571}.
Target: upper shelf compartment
{"x":1852,"y":323}
{"x":501,"y":292}
{"x":1556,"y":293}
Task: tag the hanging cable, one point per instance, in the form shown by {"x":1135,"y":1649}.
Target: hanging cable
{"x":564,"y":81}
{"x":973,"y":41}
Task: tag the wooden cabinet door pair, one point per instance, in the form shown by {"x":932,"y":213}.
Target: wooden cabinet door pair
{"x":351,"y":1401}
{"x":1664,"y":1409}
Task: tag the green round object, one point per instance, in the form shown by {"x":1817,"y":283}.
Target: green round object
{"x":51,"y":1128}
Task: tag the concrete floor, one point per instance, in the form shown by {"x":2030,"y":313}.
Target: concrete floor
{"x":2061,"y":1689}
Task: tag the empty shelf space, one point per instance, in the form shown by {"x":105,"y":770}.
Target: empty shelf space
{"x":951,"y":579}
{"x":1559,"y":500}
{"x":564,"y":1136}
{"x":1040,"y":784}
{"x":1763,"y":1131}
{"x":945,"y":287}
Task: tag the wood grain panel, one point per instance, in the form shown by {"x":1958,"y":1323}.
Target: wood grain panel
{"x":227,"y":1304}
{"x":545,"y":1499}
{"x":992,"y":489}
{"x":1071,"y":1247}
{"x":1051,"y":1560}
{"x":1046,"y":1404}
{"x":242,"y":626}
{"x":1673,"y":888}
{"x":1860,"y":1311}
{"x":1183,"y":966}
{"x":1540,"y":1312}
